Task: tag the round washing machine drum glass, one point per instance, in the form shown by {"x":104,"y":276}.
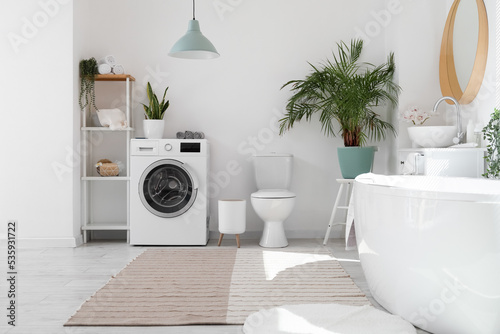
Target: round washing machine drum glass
{"x":167,"y":189}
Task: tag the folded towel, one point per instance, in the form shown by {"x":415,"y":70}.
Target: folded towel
{"x":110,"y":60}
{"x":198,"y":135}
{"x":413,"y":164}
{"x":115,"y":119}
{"x":118,"y":69}
{"x":181,"y":135}
{"x":95,"y":119}
{"x":189,"y":135}
{"x":104,"y":69}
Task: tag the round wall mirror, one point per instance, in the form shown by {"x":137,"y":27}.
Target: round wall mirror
{"x":464,"y":50}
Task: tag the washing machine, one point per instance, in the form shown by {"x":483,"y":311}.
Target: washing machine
{"x":168,"y":192}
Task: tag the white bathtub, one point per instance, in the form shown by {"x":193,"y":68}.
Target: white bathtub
{"x":430,"y":249}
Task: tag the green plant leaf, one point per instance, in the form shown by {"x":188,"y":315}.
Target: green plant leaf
{"x":156,"y":109}
{"x":344,"y":93}
{"x":165,"y":93}
{"x":88,"y":72}
{"x":491,"y":133}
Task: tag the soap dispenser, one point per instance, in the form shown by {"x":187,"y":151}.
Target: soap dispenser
{"x":478,"y":135}
{"x":470,"y":132}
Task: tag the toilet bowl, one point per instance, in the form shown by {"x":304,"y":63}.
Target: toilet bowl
{"x":273,"y":207}
{"x":273,"y":202}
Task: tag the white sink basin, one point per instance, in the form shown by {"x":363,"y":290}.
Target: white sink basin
{"x":432,"y":136}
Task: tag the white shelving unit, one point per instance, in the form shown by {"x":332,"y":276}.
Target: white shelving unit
{"x":89,"y":179}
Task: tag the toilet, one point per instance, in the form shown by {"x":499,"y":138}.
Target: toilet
{"x":273,"y":202}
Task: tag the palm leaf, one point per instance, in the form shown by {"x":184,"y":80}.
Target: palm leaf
{"x":344,"y":92}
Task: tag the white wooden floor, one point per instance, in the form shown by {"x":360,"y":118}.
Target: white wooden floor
{"x":54,"y":282}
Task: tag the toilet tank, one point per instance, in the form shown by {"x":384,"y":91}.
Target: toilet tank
{"x":273,"y":171}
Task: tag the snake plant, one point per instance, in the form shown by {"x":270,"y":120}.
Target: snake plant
{"x":156,"y":109}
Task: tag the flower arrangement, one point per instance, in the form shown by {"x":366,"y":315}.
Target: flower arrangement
{"x":415,"y":115}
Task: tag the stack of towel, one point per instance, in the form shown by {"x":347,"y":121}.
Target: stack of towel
{"x":107,"y":65}
{"x":190,"y":135}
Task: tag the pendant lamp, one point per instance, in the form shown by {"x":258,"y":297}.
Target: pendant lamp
{"x":193,"y":45}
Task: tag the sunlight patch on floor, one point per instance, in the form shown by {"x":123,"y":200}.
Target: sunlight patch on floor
{"x":276,"y":262}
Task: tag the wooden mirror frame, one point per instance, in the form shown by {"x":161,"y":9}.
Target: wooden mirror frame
{"x":447,"y":73}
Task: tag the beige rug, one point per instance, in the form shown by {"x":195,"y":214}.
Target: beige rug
{"x":187,"y":286}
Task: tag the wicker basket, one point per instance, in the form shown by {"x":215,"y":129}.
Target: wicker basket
{"x":107,"y":168}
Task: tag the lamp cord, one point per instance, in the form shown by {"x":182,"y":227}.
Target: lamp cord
{"x":193,"y":10}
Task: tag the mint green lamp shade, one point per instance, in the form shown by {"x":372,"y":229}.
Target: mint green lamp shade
{"x":193,"y":45}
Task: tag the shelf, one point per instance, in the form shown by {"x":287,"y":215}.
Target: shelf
{"x":105,"y":226}
{"x":104,"y":128}
{"x":91,"y":181}
{"x":105,"y":178}
{"x":114,"y":77}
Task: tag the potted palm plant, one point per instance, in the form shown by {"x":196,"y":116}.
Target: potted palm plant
{"x":154,"y":112}
{"x":345,"y":91}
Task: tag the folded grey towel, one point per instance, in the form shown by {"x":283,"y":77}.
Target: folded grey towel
{"x":181,"y":135}
{"x":199,"y":135}
{"x":189,"y":135}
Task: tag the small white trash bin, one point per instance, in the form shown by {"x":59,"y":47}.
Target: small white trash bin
{"x":232,"y":218}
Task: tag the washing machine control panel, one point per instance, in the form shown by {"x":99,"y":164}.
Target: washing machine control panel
{"x":169,"y":147}
{"x":184,"y":147}
{"x":191,"y":147}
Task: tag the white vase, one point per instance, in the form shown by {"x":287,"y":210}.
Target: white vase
{"x":153,"y":128}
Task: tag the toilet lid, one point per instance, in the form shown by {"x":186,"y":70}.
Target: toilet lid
{"x":273,"y":193}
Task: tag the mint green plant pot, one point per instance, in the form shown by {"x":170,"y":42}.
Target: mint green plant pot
{"x":355,"y":160}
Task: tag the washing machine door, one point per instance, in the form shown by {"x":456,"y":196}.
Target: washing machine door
{"x":168,"y":188}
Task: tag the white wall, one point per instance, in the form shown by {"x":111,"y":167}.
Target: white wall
{"x":235,"y":100}
{"x":37,"y":132}
{"x":488,"y":96}
{"x":417,"y":43}
{"x":80,"y":13}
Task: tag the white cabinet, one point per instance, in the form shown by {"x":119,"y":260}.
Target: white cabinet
{"x":99,"y":212}
{"x":460,"y":162}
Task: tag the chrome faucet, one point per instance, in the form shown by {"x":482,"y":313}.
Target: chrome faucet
{"x":460,"y":135}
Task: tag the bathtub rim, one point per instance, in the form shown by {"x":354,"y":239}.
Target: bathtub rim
{"x":490,"y":193}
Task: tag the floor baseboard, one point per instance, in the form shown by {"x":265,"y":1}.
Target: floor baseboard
{"x":46,"y":242}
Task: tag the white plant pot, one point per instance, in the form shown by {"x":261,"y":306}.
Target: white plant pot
{"x":153,"y":128}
